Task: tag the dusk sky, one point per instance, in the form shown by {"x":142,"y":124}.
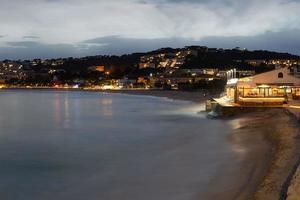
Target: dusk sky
{"x":61,"y":28}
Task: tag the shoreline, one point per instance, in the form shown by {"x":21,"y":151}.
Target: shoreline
{"x":280,"y":134}
{"x":193,"y":96}
{"x":270,"y":163}
{"x":271,"y":168}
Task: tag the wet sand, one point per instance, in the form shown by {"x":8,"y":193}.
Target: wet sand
{"x":268,"y":137}
{"x":249,"y":140}
{"x":275,"y":162}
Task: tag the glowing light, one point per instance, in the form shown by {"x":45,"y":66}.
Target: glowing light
{"x":298,"y":107}
{"x":232,"y":81}
{"x":108,"y":87}
{"x":264,"y":86}
{"x":246,"y":79}
{"x":100,"y":68}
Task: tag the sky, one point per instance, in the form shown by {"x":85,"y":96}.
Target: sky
{"x":63,"y":28}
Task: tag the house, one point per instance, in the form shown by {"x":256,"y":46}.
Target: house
{"x":239,"y":73}
{"x":255,"y":62}
{"x":146,"y":65}
{"x":273,"y":87}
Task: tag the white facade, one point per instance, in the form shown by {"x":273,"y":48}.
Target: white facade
{"x":279,"y":77}
{"x":273,"y":87}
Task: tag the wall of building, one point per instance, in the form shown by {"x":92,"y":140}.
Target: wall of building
{"x":271,"y":78}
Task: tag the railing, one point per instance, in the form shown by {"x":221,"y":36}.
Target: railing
{"x":262,"y":101}
{"x":262,"y":96}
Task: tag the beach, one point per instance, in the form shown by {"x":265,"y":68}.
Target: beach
{"x":270,"y":137}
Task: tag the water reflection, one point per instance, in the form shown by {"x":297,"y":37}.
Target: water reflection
{"x":57,"y":108}
{"x":66,"y":112}
{"x":107,"y":106}
{"x":190,"y":109}
{"x":104,"y":150}
{"x":238,"y":134}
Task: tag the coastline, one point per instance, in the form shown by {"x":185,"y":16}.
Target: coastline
{"x":197,"y":97}
{"x":267,"y":169}
{"x":280,"y":132}
{"x":270,"y":169}
{"x":194,"y":96}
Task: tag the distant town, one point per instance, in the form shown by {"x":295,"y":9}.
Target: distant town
{"x":188,"y":68}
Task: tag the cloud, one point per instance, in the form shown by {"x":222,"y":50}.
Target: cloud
{"x":282,"y":41}
{"x":84,"y":19}
{"x":110,"y":45}
{"x":30,"y":37}
{"x":223,"y":2}
{"x":31,"y":49}
{"x":69,"y":22}
{"x":121,"y":45}
{"x":285,"y":41}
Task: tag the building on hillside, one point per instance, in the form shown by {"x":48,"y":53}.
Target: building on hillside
{"x":146,"y":65}
{"x":255,"y":62}
{"x":239,"y":73}
{"x":10,"y":70}
{"x":273,"y":87}
{"x":100,"y":68}
{"x":126,"y":82}
{"x":210,"y":71}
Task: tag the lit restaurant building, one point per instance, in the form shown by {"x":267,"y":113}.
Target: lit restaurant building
{"x":273,"y":87}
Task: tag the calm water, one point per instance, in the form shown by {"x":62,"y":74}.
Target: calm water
{"x":84,"y":145}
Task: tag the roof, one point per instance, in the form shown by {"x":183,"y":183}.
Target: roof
{"x":270,"y":78}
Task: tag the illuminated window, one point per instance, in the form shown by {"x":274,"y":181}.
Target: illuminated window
{"x":280,"y":75}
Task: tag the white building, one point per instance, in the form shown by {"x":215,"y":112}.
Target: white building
{"x":273,"y":87}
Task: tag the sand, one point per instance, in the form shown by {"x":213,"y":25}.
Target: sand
{"x":281,"y":130}
{"x":293,"y":184}
{"x":248,"y":138}
{"x":294,"y":188}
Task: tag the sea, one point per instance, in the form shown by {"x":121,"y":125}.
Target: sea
{"x":79,"y":145}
